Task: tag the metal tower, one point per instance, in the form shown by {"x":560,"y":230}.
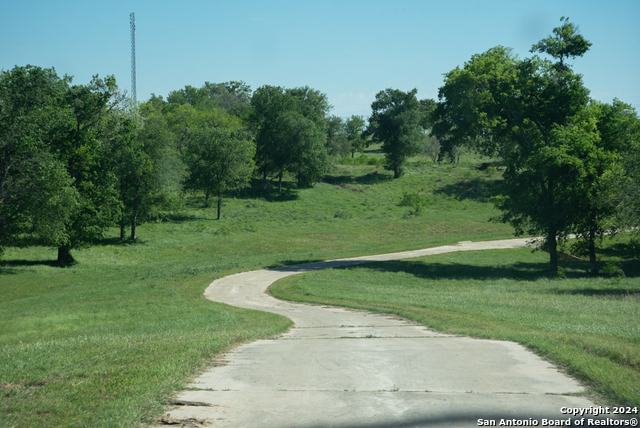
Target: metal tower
{"x":132,"y":21}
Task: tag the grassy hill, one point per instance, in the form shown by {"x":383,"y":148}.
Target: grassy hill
{"x":102,"y":343}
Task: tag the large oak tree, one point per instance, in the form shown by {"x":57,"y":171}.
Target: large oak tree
{"x":524,"y":111}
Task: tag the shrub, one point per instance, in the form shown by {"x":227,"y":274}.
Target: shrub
{"x":417,"y":202}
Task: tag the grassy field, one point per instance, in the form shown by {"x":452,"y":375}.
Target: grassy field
{"x":103,"y":342}
{"x":588,"y":325}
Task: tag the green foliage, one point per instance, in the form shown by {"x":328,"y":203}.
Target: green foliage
{"x":54,"y":152}
{"x":291,"y":132}
{"x":354,"y":129}
{"x":233,"y":97}
{"x":218,"y":160}
{"x":362,"y":160}
{"x":566,"y":43}
{"x":395,"y":122}
{"x":82,"y":144}
{"x":416,"y":201}
{"x":532,"y":114}
{"x":431,"y":147}
{"x":143,"y":153}
{"x":615,"y":270}
{"x":36,"y":192}
{"x":337,"y":142}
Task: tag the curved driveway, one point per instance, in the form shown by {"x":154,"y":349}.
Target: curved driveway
{"x":345,"y":368}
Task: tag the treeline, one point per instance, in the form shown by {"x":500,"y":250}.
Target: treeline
{"x":77,"y":159}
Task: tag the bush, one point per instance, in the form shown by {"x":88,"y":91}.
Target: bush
{"x":361,"y":160}
{"x":417,"y":202}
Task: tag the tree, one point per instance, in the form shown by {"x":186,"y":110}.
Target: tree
{"x":279,"y":116}
{"x":218,"y":160}
{"x":301,"y":148}
{"x":432,"y":147}
{"x":36,"y":193}
{"x":337,"y":142}
{"x":606,"y":133}
{"x":267,"y":103}
{"x":523,"y":111}
{"x":354,"y":128}
{"x":234,"y":97}
{"x":396,"y":123}
{"x":81,"y":144}
{"x":139,"y":149}
{"x":628,"y":181}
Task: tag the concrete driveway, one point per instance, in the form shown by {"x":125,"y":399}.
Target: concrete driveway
{"x":345,"y":368}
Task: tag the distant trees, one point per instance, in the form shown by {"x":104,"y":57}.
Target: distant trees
{"x":217,"y":160}
{"x":354,"y":129}
{"x":396,"y":122}
{"x":337,"y":141}
{"x":291,"y":132}
{"x":233,"y":97}
{"x":142,"y":152}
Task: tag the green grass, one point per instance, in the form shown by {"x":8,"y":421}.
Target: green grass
{"x":102,"y":343}
{"x":588,"y":325}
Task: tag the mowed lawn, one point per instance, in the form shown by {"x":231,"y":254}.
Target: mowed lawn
{"x":102,"y":343}
{"x":589,"y":326}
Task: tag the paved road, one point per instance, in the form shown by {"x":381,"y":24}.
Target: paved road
{"x":345,"y":368}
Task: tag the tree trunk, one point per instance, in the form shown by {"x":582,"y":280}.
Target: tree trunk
{"x":133,"y":225}
{"x":592,"y":252}
{"x":219,"y":203}
{"x":206,"y":195}
{"x":553,"y":251}
{"x":64,"y":255}
{"x":122,"y":228}
{"x":353,"y":154}
{"x":280,"y":181}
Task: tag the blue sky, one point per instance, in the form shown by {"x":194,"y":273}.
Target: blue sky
{"x":349,"y":49}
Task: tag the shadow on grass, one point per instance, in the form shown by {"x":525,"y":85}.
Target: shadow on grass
{"x":459,"y":271}
{"x":605,"y":292}
{"x":179,"y":217}
{"x":285,"y":263}
{"x":474,"y":189}
{"x":619,"y":250}
{"x":117,"y":242}
{"x":7,"y":266}
{"x":369,"y":151}
{"x":361,"y":179}
{"x":436,"y":271}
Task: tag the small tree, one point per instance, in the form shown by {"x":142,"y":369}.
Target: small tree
{"x":218,"y":160}
{"x":432,"y":147}
{"x":337,"y":142}
{"x":396,"y":123}
{"x":354,"y":127}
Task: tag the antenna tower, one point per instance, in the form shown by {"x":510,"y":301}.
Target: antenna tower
{"x":132,"y":21}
